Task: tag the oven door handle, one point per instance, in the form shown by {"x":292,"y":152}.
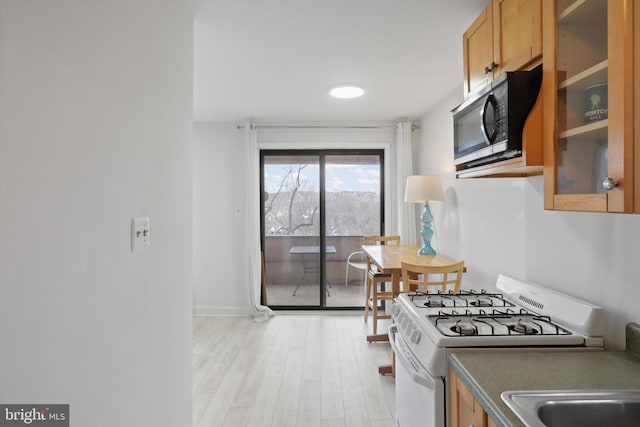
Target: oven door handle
{"x":418,"y":373}
{"x":393,"y":330}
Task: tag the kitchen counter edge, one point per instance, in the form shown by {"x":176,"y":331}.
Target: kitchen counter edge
{"x":488,"y":374}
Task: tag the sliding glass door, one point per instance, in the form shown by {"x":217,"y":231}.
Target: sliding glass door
{"x":291,"y":229}
{"x":353,"y":208}
{"x":317,"y":205}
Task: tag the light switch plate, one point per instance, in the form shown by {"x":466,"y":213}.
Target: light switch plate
{"x":139,"y":233}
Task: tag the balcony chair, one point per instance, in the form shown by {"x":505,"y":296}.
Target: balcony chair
{"x":358,"y":261}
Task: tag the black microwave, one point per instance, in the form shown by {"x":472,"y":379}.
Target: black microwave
{"x":488,"y":126}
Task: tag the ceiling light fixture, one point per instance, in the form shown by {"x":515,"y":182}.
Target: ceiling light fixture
{"x":346,"y":92}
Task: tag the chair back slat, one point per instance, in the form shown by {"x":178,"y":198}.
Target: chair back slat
{"x":381,"y":240}
{"x":415,"y":276}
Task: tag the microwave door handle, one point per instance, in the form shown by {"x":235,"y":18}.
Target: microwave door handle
{"x":490,"y":100}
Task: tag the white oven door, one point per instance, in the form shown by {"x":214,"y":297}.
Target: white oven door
{"x":420,"y":398}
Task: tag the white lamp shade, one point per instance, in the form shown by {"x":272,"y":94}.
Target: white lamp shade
{"x":423,"y":188}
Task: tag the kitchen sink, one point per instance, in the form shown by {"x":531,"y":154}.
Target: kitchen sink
{"x":584,"y":408}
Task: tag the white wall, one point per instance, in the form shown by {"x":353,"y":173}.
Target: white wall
{"x":588,"y":255}
{"x":219,"y":269}
{"x":481,"y":221}
{"x":218,"y":199}
{"x":96,"y":128}
{"x":498,"y":225}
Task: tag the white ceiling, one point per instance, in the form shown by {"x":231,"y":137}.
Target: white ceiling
{"x":275,"y":60}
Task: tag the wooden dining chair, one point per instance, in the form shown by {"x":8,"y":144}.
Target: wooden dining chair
{"x":376,"y":285}
{"x":422,"y":278}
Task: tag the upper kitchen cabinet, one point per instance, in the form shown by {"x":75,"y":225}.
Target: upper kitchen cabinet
{"x":588,"y":95}
{"x":477,"y":46}
{"x":507,"y":36}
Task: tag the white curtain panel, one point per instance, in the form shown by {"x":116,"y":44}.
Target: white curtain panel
{"x":407,"y":222}
{"x":252,"y":231}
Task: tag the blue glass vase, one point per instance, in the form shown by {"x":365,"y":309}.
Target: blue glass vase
{"x":426,"y":232}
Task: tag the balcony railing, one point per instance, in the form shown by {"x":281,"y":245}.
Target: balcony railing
{"x":281,"y":267}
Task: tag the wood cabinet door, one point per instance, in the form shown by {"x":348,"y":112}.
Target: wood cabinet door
{"x":636,"y":112}
{"x":477,"y":46}
{"x":517,"y":33}
{"x":588,"y":45}
{"x":465,"y":410}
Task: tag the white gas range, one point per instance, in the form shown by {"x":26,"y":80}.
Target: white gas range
{"x":518,"y":315}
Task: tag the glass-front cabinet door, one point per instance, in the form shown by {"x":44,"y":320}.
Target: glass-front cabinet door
{"x":588,"y":100}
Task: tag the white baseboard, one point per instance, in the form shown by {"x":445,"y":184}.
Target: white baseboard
{"x":221,"y":311}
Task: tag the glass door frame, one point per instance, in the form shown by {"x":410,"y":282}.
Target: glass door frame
{"x":322,"y":154}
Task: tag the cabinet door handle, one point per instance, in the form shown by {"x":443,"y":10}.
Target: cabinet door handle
{"x":609,"y":184}
{"x":491,"y":67}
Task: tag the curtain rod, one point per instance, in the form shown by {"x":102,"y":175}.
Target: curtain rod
{"x":413,"y":127}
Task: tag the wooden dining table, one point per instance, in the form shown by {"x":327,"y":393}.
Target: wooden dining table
{"x":388,"y":260}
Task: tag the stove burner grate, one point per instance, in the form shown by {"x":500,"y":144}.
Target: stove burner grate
{"x":434,"y":303}
{"x":460,"y":299}
{"x":496,"y":324}
{"x":481,"y":302}
{"x":523,"y":328}
{"x":464,"y":329}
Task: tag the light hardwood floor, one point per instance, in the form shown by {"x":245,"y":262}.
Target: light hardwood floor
{"x":298,"y":369}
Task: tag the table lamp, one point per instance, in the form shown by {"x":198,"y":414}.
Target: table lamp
{"x":424,"y":189}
